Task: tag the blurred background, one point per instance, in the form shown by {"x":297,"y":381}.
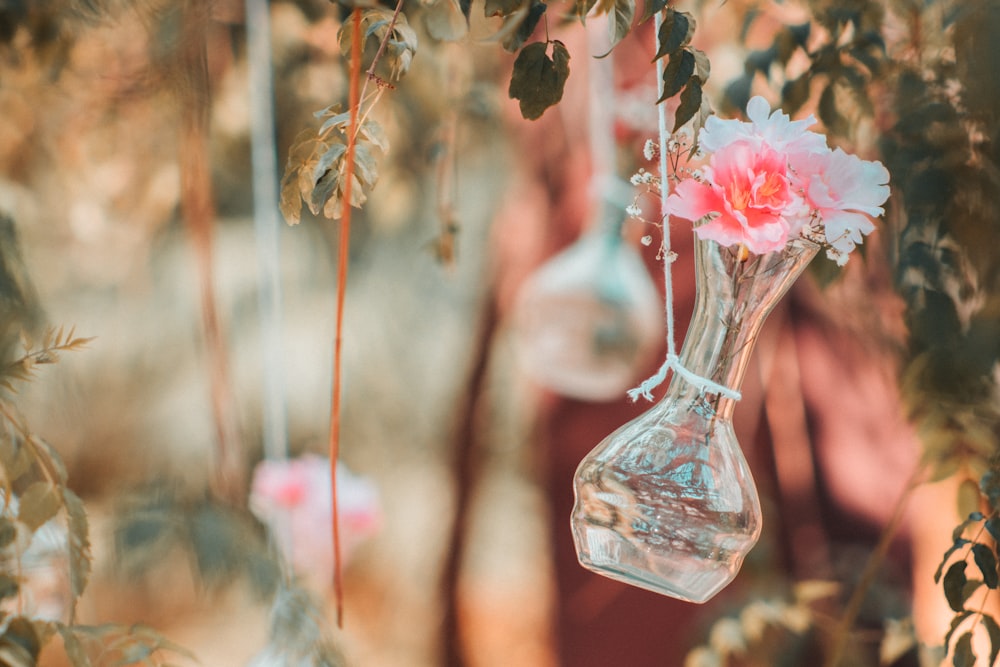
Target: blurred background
{"x":498,"y":306}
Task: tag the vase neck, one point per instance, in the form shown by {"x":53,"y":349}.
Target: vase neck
{"x":733,"y":298}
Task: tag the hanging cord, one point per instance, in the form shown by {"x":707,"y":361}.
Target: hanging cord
{"x":601,"y":102}
{"x":265,"y":195}
{"x":672,"y":362}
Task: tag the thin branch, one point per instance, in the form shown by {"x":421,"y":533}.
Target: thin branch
{"x":853,"y":607}
{"x":342,"y":260}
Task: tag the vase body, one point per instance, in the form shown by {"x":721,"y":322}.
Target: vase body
{"x":667,"y":502}
{"x":589,"y":319}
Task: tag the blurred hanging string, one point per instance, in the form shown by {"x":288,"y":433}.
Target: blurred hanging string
{"x":601,"y":92}
{"x":672,"y":362}
{"x":608,"y":186}
{"x":266,"y":227}
{"x":198,"y":212}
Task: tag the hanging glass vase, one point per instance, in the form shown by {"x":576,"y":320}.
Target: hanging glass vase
{"x":590,"y":318}
{"x":667,"y":502}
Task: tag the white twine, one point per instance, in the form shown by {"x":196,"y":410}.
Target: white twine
{"x":266,"y":225}
{"x":672,"y":362}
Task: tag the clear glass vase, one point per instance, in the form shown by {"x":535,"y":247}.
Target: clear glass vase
{"x":667,"y":502}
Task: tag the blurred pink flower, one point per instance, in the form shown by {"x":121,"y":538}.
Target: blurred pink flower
{"x":293,"y":498}
{"x":746,"y":197}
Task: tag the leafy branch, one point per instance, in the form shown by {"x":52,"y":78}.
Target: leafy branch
{"x":320,"y":169}
{"x":968,"y":541}
{"x":39,"y":515}
{"x":54,"y":341}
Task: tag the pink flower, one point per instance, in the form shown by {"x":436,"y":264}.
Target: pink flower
{"x":745,"y":197}
{"x":770,"y":178}
{"x":844,"y":190}
{"x":293,"y":498}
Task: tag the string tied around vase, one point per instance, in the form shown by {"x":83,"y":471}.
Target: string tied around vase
{"x":672,"y":361}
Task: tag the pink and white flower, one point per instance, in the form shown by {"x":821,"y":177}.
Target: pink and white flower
{"x":745,"y":197}
{"x":770,"y":180}
{"x":844,"y":190}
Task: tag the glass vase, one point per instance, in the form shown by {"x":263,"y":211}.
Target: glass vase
{"x":667,"y":502}
{"x":589,"y":319}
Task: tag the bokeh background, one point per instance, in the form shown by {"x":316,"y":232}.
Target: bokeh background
{"x":469,"y":559}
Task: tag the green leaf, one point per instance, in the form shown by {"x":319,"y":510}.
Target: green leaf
{"x":973,"y":517}
{"x":690,"y":103}
{"x":987,"y":563}
{"x":673,"y":32}
{"x":620,"y":20}
{"x":365,"y":166}
{"x":956,"y":622}
{"x":702,"y":65}
{"x":327,"y":160}
{"x":993,"y":630}
{"x":795,"y":93}
{"x":8,"y":532}
{"x":73,"y":646}
{"x":20,"y":643}
{"x":39,"y":503}
{"x":9,"y":586}
{"x":989,"y":484}
{"x":650,"y":8}
{"x":79,"y":542}
{"x":48,"y":457}
{"x":963,"y":656}
{"x":537,"y":81}
{"x":525,"y":26}
{"x":581,"y":8}
{"x":828,"y":112}
{"x":501,"y":7}
{"x":993,"y":527}
{"x":15,"y":457}
{"x":958,"y":544}
{"x":760,"y":61}
{"x":677,"y":73}
{"x":339,"y":120}
{"x":446,"y":20}
{"x":291,"y":194}
{"x":954,"y":584}
{"x":373,"y":132}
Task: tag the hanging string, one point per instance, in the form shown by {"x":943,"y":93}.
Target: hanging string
{"x":601,"y":101}
{"x":266,"y":227}
{"x":672,"y":362}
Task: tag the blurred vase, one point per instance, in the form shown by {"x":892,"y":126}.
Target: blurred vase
{"x":589,"y":319}
{"x":667,"y":502}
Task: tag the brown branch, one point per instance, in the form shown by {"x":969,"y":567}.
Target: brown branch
{"x":198,"y":212}
{"x":853,"y":607}
{"x":342,"y":260}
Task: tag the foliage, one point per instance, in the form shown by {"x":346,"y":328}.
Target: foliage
{"x":39,"y":515}
{"x":796,"y":630}
{"x":316,"y":170}
{"x":850,"y":58}
{"x":942,"y":153}
{"x":974,"y":538}
{"x":224,"y":544}
{"x":537,"y":82}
